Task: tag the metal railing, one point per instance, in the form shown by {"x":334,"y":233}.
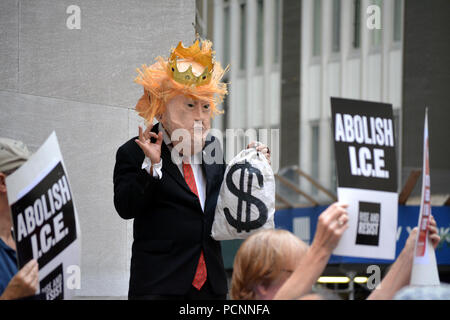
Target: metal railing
{"x":312,"y":201}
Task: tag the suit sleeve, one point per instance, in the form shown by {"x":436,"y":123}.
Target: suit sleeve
{"x":133,"y":187}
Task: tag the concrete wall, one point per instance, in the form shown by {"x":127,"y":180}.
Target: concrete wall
{"x":80,"y":84}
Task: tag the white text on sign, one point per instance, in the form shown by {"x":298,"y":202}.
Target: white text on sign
{"x":369,"y":131}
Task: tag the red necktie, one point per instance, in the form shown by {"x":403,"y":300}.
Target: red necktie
{"x":200,"y":274}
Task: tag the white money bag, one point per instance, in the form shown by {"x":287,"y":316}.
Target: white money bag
{"x":246,"y":200}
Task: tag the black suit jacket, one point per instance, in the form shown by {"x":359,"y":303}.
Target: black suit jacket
{"x":170,"y":229}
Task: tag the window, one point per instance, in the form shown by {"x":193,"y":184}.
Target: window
{"x":357,"y":24}
{"x":225,"y":108}
{"x":260,"y":34}
{"x":315,"y":151}
{"x":226,"y":36}
{"x":200,"y":18}
{"x":276,"y":33}
{"x":243,"y":40}
{"x":377,"y":34}
{"x":333,"y":178}
{"x":317,"y":28}
{"x":333,"y":183}
{"x":398,"y":20}
{"x":336,"y":45}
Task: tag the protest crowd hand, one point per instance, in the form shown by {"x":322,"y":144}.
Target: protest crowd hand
{"x":433,"y":232}
{"x":152,"y":150}
{"x":260,"y":147}
{"x":411,"y":241}
{"x":433,"y":236}
{"x":330,"y":226}
{"x":24,"y":283}
{"x":399,"y":274}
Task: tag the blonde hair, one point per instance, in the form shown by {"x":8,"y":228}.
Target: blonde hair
{"x":159,"y":87}
{"x":261,"y":259}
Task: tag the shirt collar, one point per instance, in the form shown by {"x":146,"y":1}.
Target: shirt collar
{"x":195,"y":159}
{"x":5,"y":246}
{"x":166,"y":137}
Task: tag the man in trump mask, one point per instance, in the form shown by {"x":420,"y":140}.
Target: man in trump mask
{"x":168,"y":179}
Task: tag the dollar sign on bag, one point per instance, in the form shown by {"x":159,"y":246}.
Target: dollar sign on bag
{"x":248,"y":224}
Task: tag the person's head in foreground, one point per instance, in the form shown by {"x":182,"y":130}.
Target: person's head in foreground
{"x":275,"y":264}
{"x":320,"y":294}
{"x":263,"y":263}
{"x":14,"y":284}
{"x":182,"y":92}
{"x":441,"y":292}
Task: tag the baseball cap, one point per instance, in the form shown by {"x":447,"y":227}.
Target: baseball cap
{"x":13,"y":154}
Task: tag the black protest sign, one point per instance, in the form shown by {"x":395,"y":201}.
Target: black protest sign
{"x":364,"y":144}
{"x":368,"y":229}
{"x":44,"y":219}
{"x":53,"y":284}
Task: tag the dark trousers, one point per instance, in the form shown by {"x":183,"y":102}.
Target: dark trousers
{"x":205,"y":293}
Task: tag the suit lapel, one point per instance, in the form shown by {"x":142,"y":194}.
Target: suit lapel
{"x":171,"y":168}
{"x":168,"y":165}
{"x":209,"y":170}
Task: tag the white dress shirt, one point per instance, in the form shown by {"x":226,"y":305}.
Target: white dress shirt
{"x":195,"y":161}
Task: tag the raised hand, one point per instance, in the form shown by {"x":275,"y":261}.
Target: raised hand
{"x":331,"y":225}
{"x":150,"y":149}
{"x":433,"y":236}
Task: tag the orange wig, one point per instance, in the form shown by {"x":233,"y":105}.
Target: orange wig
{"x":160,"y":85}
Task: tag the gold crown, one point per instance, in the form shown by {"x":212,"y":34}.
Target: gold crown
{"x":201,"y":56}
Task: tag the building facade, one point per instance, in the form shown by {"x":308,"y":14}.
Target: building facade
{"x":325,"y":48}
{"x":343,"y":57}
{"x":247,"y":36}
{"x":390,"y":51}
